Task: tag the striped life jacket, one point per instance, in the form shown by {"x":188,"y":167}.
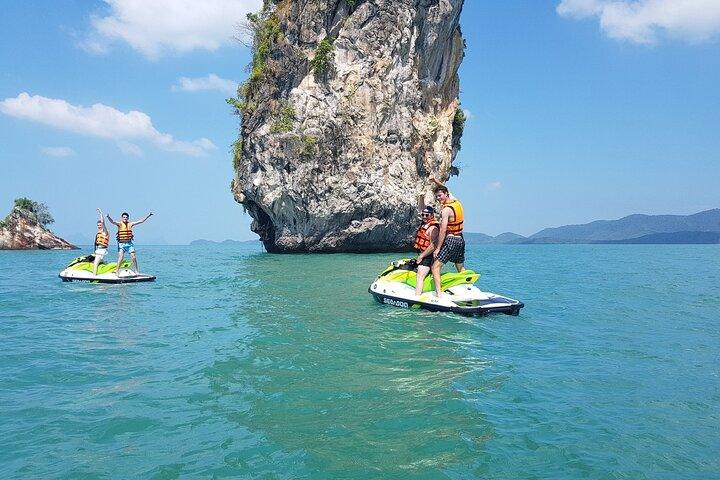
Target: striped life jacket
{"x":124,"y":234}
{"x":456,"y":226}
{"x":422,"y":238}
{"x":102,"y":240}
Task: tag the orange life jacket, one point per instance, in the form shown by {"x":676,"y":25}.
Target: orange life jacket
{"x":456,"y":226}
{"x":422,"y":238}
{"x":124,"y":234}
{"x":101,"y":240}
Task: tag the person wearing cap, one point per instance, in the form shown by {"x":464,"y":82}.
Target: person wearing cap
{"x":425,"y":243}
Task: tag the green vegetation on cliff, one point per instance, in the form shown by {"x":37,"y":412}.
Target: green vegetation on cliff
{"x":459,"y":123}
{"x":266,"y":32}
{"x":320,"y":64}
{"x":284,"y":121}
{"x":34,"y":211}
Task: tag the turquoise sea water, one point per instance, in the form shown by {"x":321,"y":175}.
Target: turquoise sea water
{"x":241,"y":364}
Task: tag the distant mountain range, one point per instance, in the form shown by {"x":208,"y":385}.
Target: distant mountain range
{"x":702,"y":227}
{"x":699,"y":228}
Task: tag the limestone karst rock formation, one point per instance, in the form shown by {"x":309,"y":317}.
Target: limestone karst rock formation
{"x":24,"y":229}
{"x":349,"y":107}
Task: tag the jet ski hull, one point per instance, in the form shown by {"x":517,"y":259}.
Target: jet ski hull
{"x":492,"y":304}
{"x":126,"y":276}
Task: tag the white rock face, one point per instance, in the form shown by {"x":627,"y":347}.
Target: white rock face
{"x":20,"y":231}
{"x":336,"y":161}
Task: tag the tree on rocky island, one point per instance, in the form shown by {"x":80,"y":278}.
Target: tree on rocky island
{"x":38,"y":210}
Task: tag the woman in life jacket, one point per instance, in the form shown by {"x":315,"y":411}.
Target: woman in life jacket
{"x":425,"y":244}
{"x":125,"y":239}
{"x":102,"y":240}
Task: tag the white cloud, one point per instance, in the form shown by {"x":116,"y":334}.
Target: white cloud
{"x":99,"y":121}
{"x":643,"y":21}
{"x":211,"y":82}
{"x":155,"y":27}
{"x":497,"y":185}
{"x":57,"y":151}
{"x":130,"y":149}
{"x":468,"y":114}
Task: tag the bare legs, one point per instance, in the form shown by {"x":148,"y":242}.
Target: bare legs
{"x":436,"y":268}
{"x":420,"y":279}
{"x":120,"y":259}
{"x":98,"y":258}
{"x":134,"y":260}
{"x":460,"y":267}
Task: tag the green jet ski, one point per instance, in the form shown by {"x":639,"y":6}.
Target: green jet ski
{"x":81,"y":269}
{"x":396,"y":286}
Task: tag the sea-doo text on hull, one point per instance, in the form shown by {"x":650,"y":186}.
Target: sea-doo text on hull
{"x":82,"y":267}
{"x":396,"y":286}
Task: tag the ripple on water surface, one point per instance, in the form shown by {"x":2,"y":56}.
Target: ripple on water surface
{"x":241,"y":364}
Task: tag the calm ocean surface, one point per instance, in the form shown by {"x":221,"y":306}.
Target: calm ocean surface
{"x":241,"y":364}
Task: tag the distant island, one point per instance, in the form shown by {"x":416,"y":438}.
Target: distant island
{"x":25,"y":228}
{"x":699,"y":228}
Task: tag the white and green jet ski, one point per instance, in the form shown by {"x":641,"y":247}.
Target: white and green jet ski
{"x":81,"y":269}
{"x":396,"y":286}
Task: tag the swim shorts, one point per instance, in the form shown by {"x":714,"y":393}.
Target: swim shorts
{"x":126,"y":247}
{"x":427,"y":261}
{"x":100,"y":252}
{"x":452,"y":250}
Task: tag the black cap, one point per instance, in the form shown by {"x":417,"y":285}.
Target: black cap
{"x":429,"y":210}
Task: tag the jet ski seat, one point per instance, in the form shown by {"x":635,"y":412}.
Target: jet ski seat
{"x":447,"y":280}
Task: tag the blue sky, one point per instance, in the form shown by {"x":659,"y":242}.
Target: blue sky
{"x":579,"y":110}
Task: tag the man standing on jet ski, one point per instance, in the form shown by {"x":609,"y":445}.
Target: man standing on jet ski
{"x":102,"y":240}
{"x":425,"y":243}
{"x":450,"y":245}
{"x":125,"y":239}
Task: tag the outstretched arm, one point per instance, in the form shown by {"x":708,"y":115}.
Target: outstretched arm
{"x":102,"y":219}
{"x":111,"y":220}
{"x":436,"y":182}
{"x":141,"y":221}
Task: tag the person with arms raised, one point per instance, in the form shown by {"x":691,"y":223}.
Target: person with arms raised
{"x":125,"y":239}
{"x":102,"y":240}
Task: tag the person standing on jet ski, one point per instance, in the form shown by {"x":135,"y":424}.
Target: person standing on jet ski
{"x":451,"y":244}
{"x":125,"y":239}
{"x":425,"y":243}
{"x":102,"y":239}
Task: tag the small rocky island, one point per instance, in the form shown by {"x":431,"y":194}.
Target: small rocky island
{"x":25,"y":228}
{"x":349,"y":106}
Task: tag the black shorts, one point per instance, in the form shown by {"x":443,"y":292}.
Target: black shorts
{"x":427,"y":261}
{"x":452,"y":250}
